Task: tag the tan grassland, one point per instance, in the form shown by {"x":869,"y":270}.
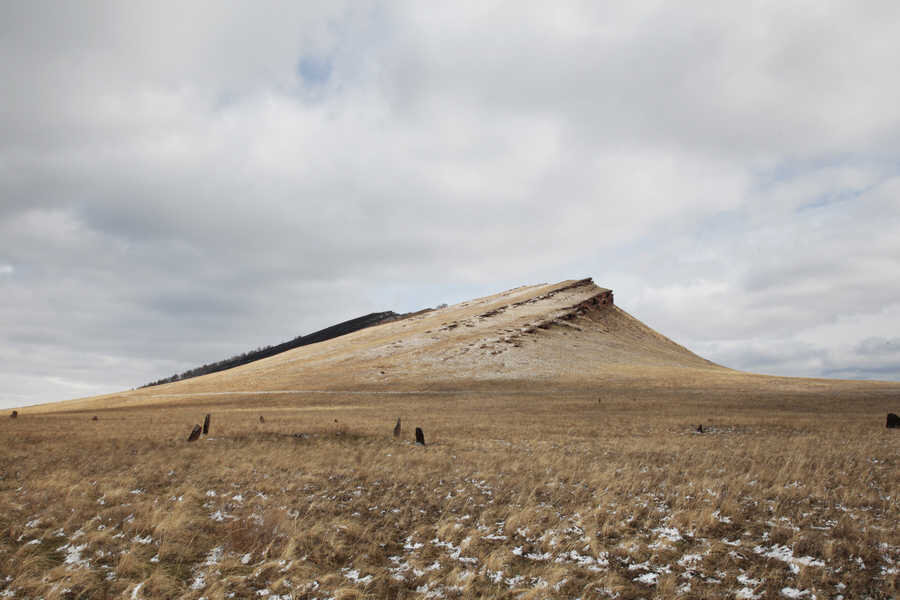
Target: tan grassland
{"x":561,"y":462}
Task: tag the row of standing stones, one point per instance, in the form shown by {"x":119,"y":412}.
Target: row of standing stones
{"x":420,"y":437}
{"x":197,"y":431}
{"x":893,"y":422}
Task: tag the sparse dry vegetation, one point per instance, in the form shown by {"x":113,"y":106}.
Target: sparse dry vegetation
{"x":515,"y":496}
{"x":562,"y":462}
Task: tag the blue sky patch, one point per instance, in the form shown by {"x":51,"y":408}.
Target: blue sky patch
{"x":314,"y":70}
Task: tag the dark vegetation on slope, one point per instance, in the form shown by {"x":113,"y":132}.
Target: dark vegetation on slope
{"x":302,"y":340}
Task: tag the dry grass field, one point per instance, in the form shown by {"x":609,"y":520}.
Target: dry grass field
{"x":592,"y":485}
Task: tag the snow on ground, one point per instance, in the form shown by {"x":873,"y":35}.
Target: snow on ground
{"x":468,"y":545}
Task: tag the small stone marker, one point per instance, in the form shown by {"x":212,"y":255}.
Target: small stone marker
{"x":94,"y":418}
{"x":700,"y":428}
{"x":14,"y":414}
{"x":195,"y":433}
{"x":206,"y":424}
{"x":262,"y":419}
{"x":420,"y":437}
{"x":893,"y":421}
{"x":397,"y":428}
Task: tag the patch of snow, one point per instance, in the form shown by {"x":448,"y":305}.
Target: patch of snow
{"x":214,"y":556}
{"x":353,"y":575}
{"x":410,"y":545}
{"x":455,"y":551}
{"x":668,"y":533}
{"x":73,"y":556}
{"x":587,"y":562}
{"x":721,"y":518}
{"x":689,"y":559}
{"x":793,"y":592}
{"x":199,"y":582}
{"x":785,"y":554}
{"x":647,"y":578}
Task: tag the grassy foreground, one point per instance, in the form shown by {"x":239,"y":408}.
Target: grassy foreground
{"x":576,"y":495}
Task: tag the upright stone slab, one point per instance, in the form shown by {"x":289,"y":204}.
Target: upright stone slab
{"x":893,"y":421}
{"x":262,"y":419}
{"x":700,"y":428}
{"x":420,"y":437}
{"x":397,"y":428}
{"x":195,"y":433}
{"x":206,"y":424}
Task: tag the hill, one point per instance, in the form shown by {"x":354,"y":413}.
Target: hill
{"x":542,"y":338}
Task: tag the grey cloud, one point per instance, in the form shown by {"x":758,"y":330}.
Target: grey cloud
{"x":879,"y":346}
{"x":182,"y":183}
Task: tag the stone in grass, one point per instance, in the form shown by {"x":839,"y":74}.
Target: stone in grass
{"x":397,"y":428}
{"x":893,"y":421}
{"x":14,"y":414}
{"x":262,"y":419}
{"x":95,"y":418}
{"x":420,"y":437}
{"x":700,"y":428}
{"x":206,"y":424}
{"x":195,"y":433}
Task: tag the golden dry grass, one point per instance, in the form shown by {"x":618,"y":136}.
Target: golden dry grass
{"x":562,"y":462}
{"x":515,"y":496}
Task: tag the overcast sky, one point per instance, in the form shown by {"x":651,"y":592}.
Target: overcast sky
{"x":181,"y":182}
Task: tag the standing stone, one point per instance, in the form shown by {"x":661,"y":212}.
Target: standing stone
{"x":397,"y":429}
{"x":893,"y":421}
{"x":95,"y":418}
{"x":195,"y":433}
{"x":14,"y":414}
{"x":262,"y":419}
{"x":700,"y":428}
{"x":420,"y":437}
{"x":206,"y":425}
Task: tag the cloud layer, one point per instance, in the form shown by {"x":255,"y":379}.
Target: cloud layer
{"x":182,"y":183}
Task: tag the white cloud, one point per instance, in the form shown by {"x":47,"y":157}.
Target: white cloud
{"x":169,"y":173}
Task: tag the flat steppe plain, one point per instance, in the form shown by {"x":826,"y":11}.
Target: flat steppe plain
{"x":590,"y":483}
